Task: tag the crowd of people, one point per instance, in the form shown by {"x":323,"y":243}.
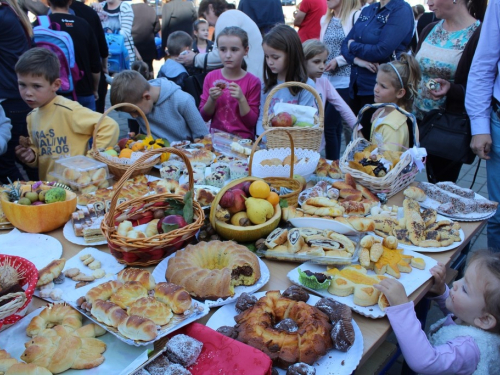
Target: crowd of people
{"x":352,"y":53}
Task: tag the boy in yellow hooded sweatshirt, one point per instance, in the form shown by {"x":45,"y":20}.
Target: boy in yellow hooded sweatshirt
{"x":58,"y":127}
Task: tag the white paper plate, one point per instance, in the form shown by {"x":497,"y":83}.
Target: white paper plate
{"x":120,"y":358}
{"x":161,"y":269}
{"x":333,"y":362}
{"x":411,"y":282}
{"x":473,"y":216}
{"x":108,"y":263}
{"x":39,"y":249}
{"x":70,"y":235}
{"x":318,"y":223}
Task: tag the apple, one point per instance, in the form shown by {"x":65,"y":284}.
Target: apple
{"x":170,"y":223}
{"x":301,"y":179}
{"x":122,"y":143}
{"x":282,"y":119}
{"x":245,"y":186}
{"x":239,"y":201}
{"x":304,"y":124}
{"x":111,"y":152}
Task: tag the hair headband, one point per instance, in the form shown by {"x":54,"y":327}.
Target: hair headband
{"x":399,"y":76}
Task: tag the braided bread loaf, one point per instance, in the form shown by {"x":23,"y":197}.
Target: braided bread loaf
{"x":57,"y":314}
{"x":11,"y":366}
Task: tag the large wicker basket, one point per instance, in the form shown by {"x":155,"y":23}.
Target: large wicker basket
{"x":306,"y":138}
{"x":291,"y":183}
{"x":399,"y":177}
{"x":17,"y":307}
{"x":117,"y":169}
{"x":151,"y":250}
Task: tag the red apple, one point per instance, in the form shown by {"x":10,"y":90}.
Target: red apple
{"x":245,"y":186}
{"x":282,"y":119}
{"x":122,"y":143}
{"x":239,"y":201}
{"x":170,"y":223}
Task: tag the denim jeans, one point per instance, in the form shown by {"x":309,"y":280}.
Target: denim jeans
{"x":493,"y":182}
{"x":87,"y":101}
{"x":333,"y":127}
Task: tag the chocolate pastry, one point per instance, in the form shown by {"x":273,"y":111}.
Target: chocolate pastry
{"x":245,"y":301}
{"x":296,"y":293}
{"x":183,"y":350}
{"x":287,"y":325}
{"x":228,"y":331}
{"x":335,"y":310}
{"x":321,"y":277}
{"x":343,"y":335}
{"x":301,"y":368}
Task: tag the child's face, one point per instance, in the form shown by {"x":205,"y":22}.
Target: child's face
{"x":37,"y":91}
{"x":384,"y":91}
{"x":466,"y":299}
{"x":316,"y":65}
{"x":275,"y":60}
{"x":231,"y":51}
{"x":202,"y":31}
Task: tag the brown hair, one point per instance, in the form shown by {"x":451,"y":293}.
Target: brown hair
{"x":491,"y":261}
{"x":141,"y":67}
{"x":177,"y":42}
{"x":284,"y":38}
{"x":477,"y":8}
{"x":409,"y":71}
{"x":39,"y":62}
{"x":313,"y":47}
{"x":220,"y":6}
{"x":128,"y":87}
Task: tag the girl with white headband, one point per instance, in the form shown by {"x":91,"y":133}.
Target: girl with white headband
{"x":397,"y":83}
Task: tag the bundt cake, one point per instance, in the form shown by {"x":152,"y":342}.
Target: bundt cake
{"x":256,"y":327}
{"x":211,"y":270}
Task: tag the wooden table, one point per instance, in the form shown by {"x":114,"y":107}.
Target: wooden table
{"x":374,"y":330}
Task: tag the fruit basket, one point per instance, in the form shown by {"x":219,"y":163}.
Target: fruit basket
{"x":282,"y":182}
{"x":119,"y":169}
{"x":399,"y":177}
{"x":18,"y":301}
{"x":306,"y":138}
{"x":242,"y":233}
{"x":151,"y":250}
{"x":42,"y":218}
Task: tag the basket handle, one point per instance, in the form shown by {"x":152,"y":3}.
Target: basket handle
{"x":112,"y":108}
{"x":416,"y":133}
{"x":255,"y":144}
{"x":312,"y":90}
{"x":109,"y":218}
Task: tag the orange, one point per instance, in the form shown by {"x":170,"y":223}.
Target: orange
{"x":273,"y":198}
{"x":259,"y":189}
{"x":125,"y":153}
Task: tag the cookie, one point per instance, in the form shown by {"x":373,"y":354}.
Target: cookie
{"x":84,"y":256}
{"x":72,"y":272}
{"x":94,"y":265}
{"x":88,"y":261}
{"x":99,"y":273}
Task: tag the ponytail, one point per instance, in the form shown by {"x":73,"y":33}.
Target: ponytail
{"x":477,"y":8}
{"x":409,"y":72}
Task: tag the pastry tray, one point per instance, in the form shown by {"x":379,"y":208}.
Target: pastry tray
{"x":323,"y":260}
{"x":411,"y":282}
{"x":197,"y":310}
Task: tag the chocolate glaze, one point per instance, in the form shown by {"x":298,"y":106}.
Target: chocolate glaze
{"x":245,"y":301}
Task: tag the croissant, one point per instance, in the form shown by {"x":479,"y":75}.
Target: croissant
{"x":57,"y":314}
{"x":11,"y":366}
{"x":108,"y":313}
{"x":128,"y":293}
{"x":50,"y":271}
{"x":138,"y":328}
{"x":148,"y":307}
{"x":103,"y":291}
{"x":136,"y":274}
{"x":176,"y":297}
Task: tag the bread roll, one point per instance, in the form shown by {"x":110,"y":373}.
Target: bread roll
{"x":390,"y":242}
{"x":349,"y":180}
{"x":124,"y":227}
{"x":136,"y":274}
{"x":108,"y":313}
{"x":364,"y":257}
{"x":26,"y":369}
{"x":98,"y":174}
{"x":135,"y":234}
{"x":376,"y":252}
{"x":151,"y":228}
{"x":416,"y":193}
{"x":342,"y":185}
{"x":355,"y":208}
{"x":84,"y":179}
{"x":350,"y":194}
{"x":362,"y":224}
{"x":270,"y":162}
{"x":50,"y":272}
{"x":71,"y":174}
{"x":367,"y":241}
{"x":103,"y":291}
{"x":128,"y":293}
{"x":138,"y":328}
{"x":367,"y":193}
{"x":148,"y":307}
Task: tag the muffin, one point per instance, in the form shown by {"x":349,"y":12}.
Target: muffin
{"x":239,"y":169}
{"x":170,"y":171}
{"x":224,"y":167}
{"x":216,"y":179}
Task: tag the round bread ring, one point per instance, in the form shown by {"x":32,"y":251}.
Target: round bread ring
{"x":53,"y":315}
{"x":103,"y":291}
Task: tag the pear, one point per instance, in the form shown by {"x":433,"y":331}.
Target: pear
{"x":259,"y":210}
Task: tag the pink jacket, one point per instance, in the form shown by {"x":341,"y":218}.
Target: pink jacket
{"x":460,"y":355}
{"x":328,"y":94}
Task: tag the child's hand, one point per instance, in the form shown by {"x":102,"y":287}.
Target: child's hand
{"x":439,"y":274}
{"x":235,"y":91}
{"x":215,"y":92}
{"x":393,"y":290}
{"x":25,"y":154}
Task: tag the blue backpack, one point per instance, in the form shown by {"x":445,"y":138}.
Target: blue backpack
{"x":49,"y":35}
{"x":118,"y":58}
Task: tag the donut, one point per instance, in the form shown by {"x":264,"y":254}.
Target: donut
{"x":256,"y":327}
{"x":53,"y":315}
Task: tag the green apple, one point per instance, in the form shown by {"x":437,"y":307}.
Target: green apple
{"x":303,"y":124}
{"x":301,"y":179}
{"x":111,"y":152}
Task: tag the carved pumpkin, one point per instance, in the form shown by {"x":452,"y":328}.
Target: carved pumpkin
{"x":42,"y":218}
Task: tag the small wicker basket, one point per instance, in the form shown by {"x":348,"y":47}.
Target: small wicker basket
{"x":399,"y":177}
{"x":151,"y":250}
{"x":277,"y":182}
{"x":306,"y":138}
{"x":117,"y":169}
{"x":17,"y":307}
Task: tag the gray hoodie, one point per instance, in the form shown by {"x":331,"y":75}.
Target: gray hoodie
{"x":174,"y":116}
{"x":5,"y":128}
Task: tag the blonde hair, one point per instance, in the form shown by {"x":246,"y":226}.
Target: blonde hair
{"x":25,"y":22}
{"x":128,"y":86}
{"x":313,"y":47}
{"x":345,"y":11}
{"x":409,"y":71}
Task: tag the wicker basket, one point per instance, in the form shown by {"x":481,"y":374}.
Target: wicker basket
{"x":399,"y":177}
{"x":306,"y":138}
{"x":117,"y":169}
{"x":148,"y":251}
{"x":242,"y":234}
{"x":276,"y":182}
{"x":15,"y":309}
